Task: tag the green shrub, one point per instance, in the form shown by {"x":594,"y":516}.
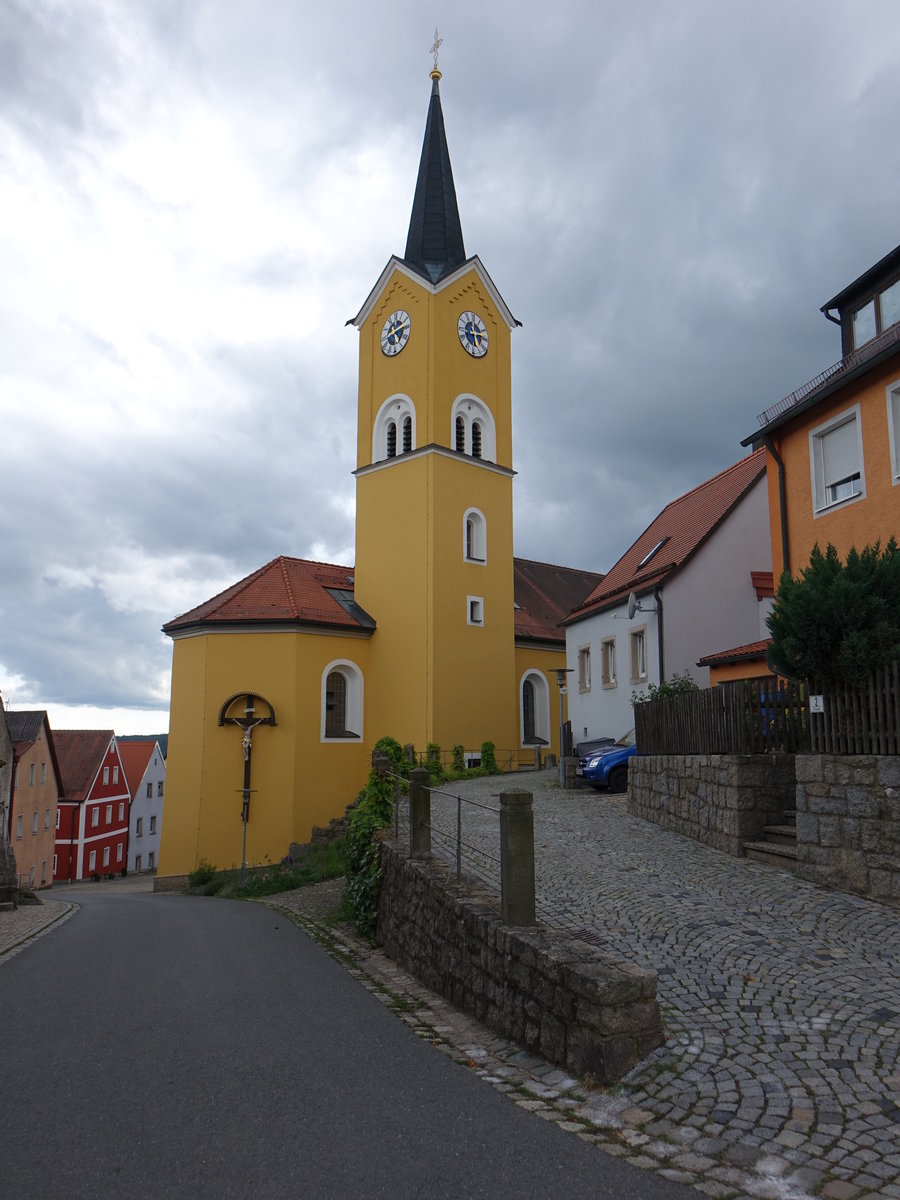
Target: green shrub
{"x":372,"y":813}
{"x":676,"y":685}
{"x":393,"y":750}
{"x":488,"y":762}
{"x":203,"y":874}
{"x":459,"y":757}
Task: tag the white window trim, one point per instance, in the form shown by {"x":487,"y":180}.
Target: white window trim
{"x":355,"y":696}
{"x":541,"y":708}
{"x":816,"y":470}
{"x":893,"y":419}
{"x":479,"y":600}
{"x":480,"y":538}
{"x":395,"y":408}
{"x":470,"y":408}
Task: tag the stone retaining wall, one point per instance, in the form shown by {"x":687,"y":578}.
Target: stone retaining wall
{"x":557,"y":996}
{"x":721,"y":800}
{"x":848,"y":823}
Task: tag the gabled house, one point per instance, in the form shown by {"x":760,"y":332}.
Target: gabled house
{"x":145,"y":771}
{"x":36,"y":787}
{"x":685,"y":587}
{"x":92,"y":830}
{"x":833,"y":445}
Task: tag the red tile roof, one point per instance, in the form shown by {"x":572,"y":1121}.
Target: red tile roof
{"x":737,"y":654}
{"x":545,"y":594}
{"x":135,"y":756}
{"x":285,"y":590}
{"x":25,"y":728}
{"x":80,"y":753}
{"x":674,"y":536}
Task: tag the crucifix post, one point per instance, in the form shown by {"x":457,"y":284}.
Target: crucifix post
{"x":246,"y":723}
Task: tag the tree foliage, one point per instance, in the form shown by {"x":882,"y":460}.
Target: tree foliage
{"x":676,"y":685}
{"x":838,"y":620}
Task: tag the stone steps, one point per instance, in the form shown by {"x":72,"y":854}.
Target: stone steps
{"x":778,"y":846}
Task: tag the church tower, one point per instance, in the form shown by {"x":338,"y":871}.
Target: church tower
{"x":434,"y":537}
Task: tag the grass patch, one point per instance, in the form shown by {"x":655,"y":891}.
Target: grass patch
{"x":319,"y":863}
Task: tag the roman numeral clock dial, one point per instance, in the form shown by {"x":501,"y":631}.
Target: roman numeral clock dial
{"x":473,"y":335}
{"x":395,"y":333}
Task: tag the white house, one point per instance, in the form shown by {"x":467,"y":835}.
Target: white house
{"x":684,"y":589}
{"x":145,"y":770}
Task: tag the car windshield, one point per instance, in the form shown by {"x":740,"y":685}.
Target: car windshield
{"x":627,"y":739}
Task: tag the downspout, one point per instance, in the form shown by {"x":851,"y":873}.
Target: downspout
{"x":660,"y":644}
{"x":782,"y":505}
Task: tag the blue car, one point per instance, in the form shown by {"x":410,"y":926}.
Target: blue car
{"x":607,"y":767}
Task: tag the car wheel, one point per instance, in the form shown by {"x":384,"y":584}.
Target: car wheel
{"x":618,"y":779}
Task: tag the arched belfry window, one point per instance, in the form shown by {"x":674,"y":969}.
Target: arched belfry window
{"x":394,"y":430}
{"x":474,"y":536}
{"x":534,"y":709}
{"x":472,"y":430}
{"x":342,"y":702}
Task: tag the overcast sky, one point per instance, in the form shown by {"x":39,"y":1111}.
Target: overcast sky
{"x":194,"y":197}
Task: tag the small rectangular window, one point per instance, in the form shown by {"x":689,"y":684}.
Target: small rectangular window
{"x":57,"y":821}
{"x":149,"y":791}
{"x":34,"y":821}
{"x":92,"y":861}
{"x":864,"y":325}
{"x":584,"y":669}
{"x":109,"y":814}
{"x":139,"y":827}
{"x":119,"y":852}
{"x":115,"y":774}
{"x":46,"y":818}
{"x":608,"y":661}
{"x":54,"y":864}
{"x":475,"y":610}
{"x":137,"y":862}
{"x":122,"y":810}
{"x":638,"y":655}
{"x":151,"y":861}
{"x":153,"y":824}
{"x":95,"y":817}
{"x":106,"y":856}
{"x":43,"y":870}
{"x":836,"y":461}
{"x":893,"y":418}
{"x":19,"y":824}
{"x":31,"y":770}
{"x":106,"y":774}
{"x":159,"y":787}
{"x":889,"y":302}
{"x":43,"y":772}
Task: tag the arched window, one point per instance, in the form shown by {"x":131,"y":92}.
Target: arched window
{"x":342,"y":702}
{"x":394,"y":431}
{"x":472,"y":430}
{"x":534,"y":709}
{"x":474,"y":536}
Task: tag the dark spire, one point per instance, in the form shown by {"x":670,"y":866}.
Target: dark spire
{"x":434,"y":244}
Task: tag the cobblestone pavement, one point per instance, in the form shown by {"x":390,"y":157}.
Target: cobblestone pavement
{"x":781,"y":999}
{"x":29,"y":921}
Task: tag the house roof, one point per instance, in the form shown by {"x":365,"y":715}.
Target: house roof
{"x":737,"y":654}
{"x":285,"y":591}
{"x":25,"y":728}
{"x":864,"y":282}
{"x":670,"y":541}
{"x":80,"y":753}
{"x":545,"y":594}
{"x":434,"y":245}
{"x":135,"y":755}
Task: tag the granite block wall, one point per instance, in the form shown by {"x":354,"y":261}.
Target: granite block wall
{"x":721,"y":800}
{"x":554,"y":995}
{"x":848,"y":823}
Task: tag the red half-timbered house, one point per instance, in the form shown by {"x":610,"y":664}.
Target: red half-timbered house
{"x":92,"y":828}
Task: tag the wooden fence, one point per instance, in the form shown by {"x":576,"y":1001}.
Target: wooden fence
{"x":755,"y":716}
{"x":863,"y":720}
{"x":742,"y":716}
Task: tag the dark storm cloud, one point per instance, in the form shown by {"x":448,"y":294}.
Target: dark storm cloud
{"x":664,"y":195}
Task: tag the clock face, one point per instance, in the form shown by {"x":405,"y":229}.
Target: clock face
{"x":472,"y":334}
{"x":395,"y":332}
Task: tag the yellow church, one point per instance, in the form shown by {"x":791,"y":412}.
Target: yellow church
{"x":282,"y":684}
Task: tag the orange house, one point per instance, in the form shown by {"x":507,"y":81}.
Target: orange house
{"x":833,"y":445}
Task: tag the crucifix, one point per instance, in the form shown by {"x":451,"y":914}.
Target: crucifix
{"x":247,"y":722}
{"x":438,"y":42}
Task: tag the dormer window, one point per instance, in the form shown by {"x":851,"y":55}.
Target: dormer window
{"x":876,"y":315}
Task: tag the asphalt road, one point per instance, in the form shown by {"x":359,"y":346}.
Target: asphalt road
{"x":155,"y":1046}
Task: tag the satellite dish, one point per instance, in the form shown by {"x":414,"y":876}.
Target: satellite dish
{"x":632,"y":606}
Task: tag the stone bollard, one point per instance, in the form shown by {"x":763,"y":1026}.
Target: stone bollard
{"x":571,"y":764}
{"x":516,"y":859}
{"x":419,"y":813}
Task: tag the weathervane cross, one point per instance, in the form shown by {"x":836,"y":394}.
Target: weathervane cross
{"x":438,"y":42}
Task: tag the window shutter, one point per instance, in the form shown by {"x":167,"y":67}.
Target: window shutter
{"x":840,"y":453}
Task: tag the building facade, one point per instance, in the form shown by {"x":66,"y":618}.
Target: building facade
{"x":34,"y":812}
{"x":92,"y":830}
{"x":145,"y":772}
